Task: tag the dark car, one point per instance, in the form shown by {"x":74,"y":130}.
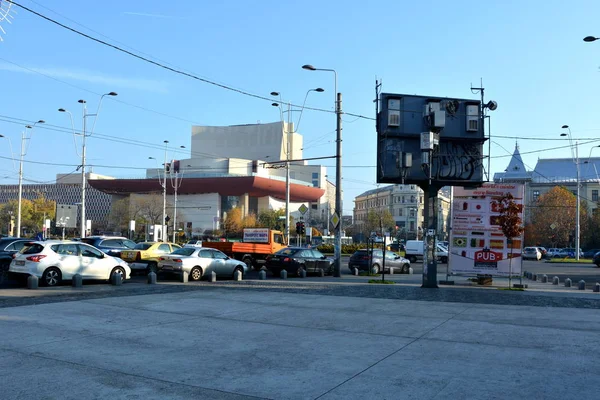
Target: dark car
{"x":111,"y":245}
{"x":360,"y":260}
{"x":8,"y":247}
{"x":596,"y":259}
{"x":296,"y":259}
{"x":590,"y":253}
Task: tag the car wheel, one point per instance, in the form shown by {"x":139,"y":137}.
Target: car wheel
{"x":405,"y":268}
{"x":120,"y":271}
{"x":299,"y":270}
{"x":238,"y":269}
{"x":196,"y":274}
{"x":248,"y":262}
{"x":375,"y":269}
{"x":51,"y":277}
{"x":152,"y":267}
{"x":412,"y":259}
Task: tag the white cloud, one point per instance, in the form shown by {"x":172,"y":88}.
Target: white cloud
{"x":112,"y":82}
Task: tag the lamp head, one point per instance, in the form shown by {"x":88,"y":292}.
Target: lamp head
{"x":492,"y":105}
{"x":41,"y":121}
{"x":62,"y":110}
{"x":165,"y":141}
{"x":274,"y":93}
{"x":151,"y":158}
{"x":82,"y":101}
{"x":112,"y":94}
{"x":320,"y":90}
{"x":275,"y":104}
{"x":563,"y":134}
{"x":309,"y":67}
{"x":565,"y":126}
{"x":590,"y":39}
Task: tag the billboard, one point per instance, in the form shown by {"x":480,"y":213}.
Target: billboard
{"x":477,"y":244}
{"x":425,"y":138}
{"x":256,"y":235}
{"x":66,"y":216}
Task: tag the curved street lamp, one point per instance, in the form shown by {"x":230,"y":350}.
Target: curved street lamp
{"x":575,"y":158}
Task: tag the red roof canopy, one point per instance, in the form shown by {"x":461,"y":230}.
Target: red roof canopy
{"x":254,"y":186}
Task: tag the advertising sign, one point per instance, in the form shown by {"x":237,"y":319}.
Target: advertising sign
{"x":66,"y":216}
{"x":477,"y":244}
{"x":256,"y":235}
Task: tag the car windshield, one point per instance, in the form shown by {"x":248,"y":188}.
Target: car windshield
{"x":34,"y":248}
{"x":143,"y":246}
{"x":184,"y":251}
{"x":287,"y":252}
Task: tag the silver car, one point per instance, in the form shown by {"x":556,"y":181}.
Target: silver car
{"x":199,"y":261}
{"x":531,"y":253}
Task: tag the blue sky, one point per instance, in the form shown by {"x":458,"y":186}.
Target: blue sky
{"x":530,"y":55}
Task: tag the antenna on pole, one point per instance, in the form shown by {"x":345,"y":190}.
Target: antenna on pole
{"x":5,"y":15}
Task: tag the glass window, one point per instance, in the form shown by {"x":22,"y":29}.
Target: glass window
{"x":143,"y":246}
{"x":16,"y":246}
{"x":184,"y":251}
{"x":205,"y":254}
{"x":317,"y":254}
{"x":399,"y":212}
{"x":175,"y":246}
{"x":594,"y":194}
{"x":536,"y":195}
{"x":315,"y":175}
{"x":219,"y":255}
{"x":112,"y":243}
{"x":130,"y":244}
{"x":69,"y":249}
{"x":88,"y":251}
{"x":164,"y":248}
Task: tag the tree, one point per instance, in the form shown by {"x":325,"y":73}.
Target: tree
{"x":233,"y":222}
{"x":120,"y":215}
{"x":554,"y":216}
{"x":270,"y":219}
{"x":510,"y":223}
{"x":32,"y":213}
{"x":378,"y":220}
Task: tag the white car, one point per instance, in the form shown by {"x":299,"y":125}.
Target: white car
{"x":55,"y":260}
{"x":193,"y":243}
{"x":199,"y":261}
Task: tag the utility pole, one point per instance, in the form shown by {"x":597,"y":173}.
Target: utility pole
{"x":338,"y":189}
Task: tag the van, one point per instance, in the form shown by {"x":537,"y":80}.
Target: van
{"x":414,"y":251}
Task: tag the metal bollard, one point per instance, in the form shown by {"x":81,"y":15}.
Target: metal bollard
{"x":262,"y":275}
{"x":151,"y":278}
{"x":237,"y":276}
{"x":184,"y":278}
{"x":534,"y":277}
{"x":32,"y":282}
{"x":568,"y":282}
{"x":283,"y":274}
{"x":303,"y":273}
{"x":213,"y":277}
{"x":544,"y":278}
{"x":391,"y":270}
{"x":355,"y":271}
{"x":321,"y":272}
{"x":116,"y":279}
{"x":77,"y":281}
{"x":555,"y":280}
{"x":411,"y":271}
{"x":581,"y":285}
{"x":597,"y":287}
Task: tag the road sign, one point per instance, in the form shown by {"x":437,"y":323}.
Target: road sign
{"x":303,"y":209}
{"x":553,"y":226}
{"x":335,"y":219}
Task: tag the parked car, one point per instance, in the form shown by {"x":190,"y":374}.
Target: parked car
{"x":531,"y":253}
{"x":590,"y":253}
{"x":568,"y":252}
{"x":296,"y":259}
{"x":552,"y":252}
{"x":397,"y":247}
{"x":543,"y":251}
{"x":144,"y":256}
{"x":193,"y":243}
{"x":199,"y":261}
{"x":596,"y":259}
{"x":360,"y":260}
{"x":111,"y":245}
{"x":9,"y":246}
{"x":55,"y":260}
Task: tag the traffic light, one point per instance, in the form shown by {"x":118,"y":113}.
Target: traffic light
{"x":298,"y":228}
{"x":302,"y":228}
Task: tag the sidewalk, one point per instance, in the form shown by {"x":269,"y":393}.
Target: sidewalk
{"x":235,"y":340}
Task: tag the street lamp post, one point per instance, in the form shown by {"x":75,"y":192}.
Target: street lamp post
{"x":338,"y":171}
{"x":21,"y":155}
{"x":84,"y":135}
{"x":575,"y":158}
{"x":288,"y":150}
{"x":176,"y":184}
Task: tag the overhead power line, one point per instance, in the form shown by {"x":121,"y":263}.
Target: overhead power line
{"x":168,"y":68}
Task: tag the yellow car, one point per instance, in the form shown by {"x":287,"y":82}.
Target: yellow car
{"x":144,"y":255}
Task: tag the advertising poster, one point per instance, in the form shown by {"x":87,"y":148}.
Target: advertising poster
{"x":477,"y":244}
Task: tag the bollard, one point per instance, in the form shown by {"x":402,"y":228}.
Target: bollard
{"x":555,"y":280}
{"x":283,"y":274}
{"x":568,"y":282}
{"x":321,"y":272}
{"x":391,"y":270}
{"x":32,"y":282}
{"x":581,"y":285}
{"x":411,"y":271}
{"x":262,"y":275}
{"x":303,"y":273}
{"x":213,"y":276}
{"x":151,"y":278}
{"x":355,"y":271}
{"x":116,"y":279}
{"x":237,"y":275}
{"x":76,"y":281}
{"x":534,"y":277}
{"x":544,"y":278}
{"x":597,"y":287}
{"x":184,"y":277}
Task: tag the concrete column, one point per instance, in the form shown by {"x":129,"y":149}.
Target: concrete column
{"x":32,"y":282}
{"x":568,"y":282}
{"x":76,"y":281}
{"x":213,"y":276}
{"x":237,"y":276}
{"x":151,"y":278}
{"x":555,"y":280}
{"x":116,"y":280}
{"x":283,"y":274}
{"x":581,"y":285}
{"x":262,"y":275}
